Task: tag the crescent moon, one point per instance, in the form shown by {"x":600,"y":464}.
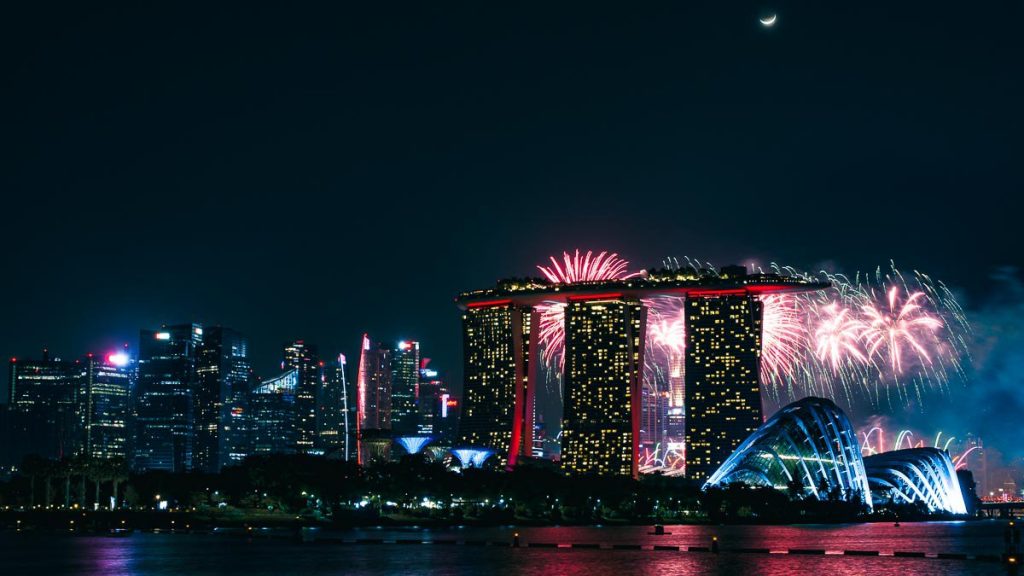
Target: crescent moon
{"x":769,"y":21}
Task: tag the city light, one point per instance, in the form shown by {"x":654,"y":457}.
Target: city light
{"x":119,"y":359}
{"x":163,"y":335}
{"x":413,"y":444}
{"x":472,"y":457}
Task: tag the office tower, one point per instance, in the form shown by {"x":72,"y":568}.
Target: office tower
{"x":446,"y":424}
{"x":304,"y":358}
{"x":332,"y":413}
{"x":499,"y":371}
{"x":428,"y":400}
{"x":374,"y":387}
{"x":105,"y":404}
{"x":273,"y":417}
{"x":164,"y":409}
{"x":222,"y":386}
{"x":723,"y":387}
{"x":43,"y":408}
{"x":604,"y":344}
{"x":405,"y":367}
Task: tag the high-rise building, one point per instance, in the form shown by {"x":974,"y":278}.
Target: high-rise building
{"x":105,"y":404}
{"x":428,"y":400}
{"x":604,"y":344}
{"x":304,"y":358}
{"x":405,"y":376}
{"x":222,"y":385}
{"x":446,"y":424}
{"x":164,"y":405}
{"x":500,"y":368}
{"x":43,"y":408}
{"x":332,"y":413}
{"x":373,"y":385}
{"x":707,"y":333}
{"x":273,"y":420}
{"x":723,"y":387}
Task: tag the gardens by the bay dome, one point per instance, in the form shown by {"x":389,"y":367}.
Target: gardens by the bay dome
{"x":810,"y":445}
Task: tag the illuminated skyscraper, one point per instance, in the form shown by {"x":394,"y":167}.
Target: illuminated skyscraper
{"x":405,"y":375}
{"x":43,"y":408}
{"x":164,"y":404}
{"x":723,"y":386}
{"x":105,"y":404}
{"x":604,"y":344}
{"x":272,"y":404}
{"x":374,"y":386}
{"x":332,"y":411}
{"x":428,"y":400}
{"x":500,"y":364}
{"x":446,"y":423}
{"x":304,"y":358}
{"x":222,"y":374}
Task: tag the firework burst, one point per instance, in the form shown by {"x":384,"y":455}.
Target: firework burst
{"x":837,"y":336}
{"x":896,"y":330}
{"x":575,"y":269}
{"x":783,"y":338}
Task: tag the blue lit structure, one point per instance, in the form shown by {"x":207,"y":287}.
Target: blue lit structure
{"x":472,"y":457}
{"x":916,"y":475}
{"x":272,"y":414}
{"x":809,"y":441}
{"x":413,"y":444}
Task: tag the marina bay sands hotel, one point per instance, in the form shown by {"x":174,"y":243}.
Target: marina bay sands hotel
{"x":605,"y":328}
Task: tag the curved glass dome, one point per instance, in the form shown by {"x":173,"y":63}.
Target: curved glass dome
{"x":809,"y":441}
{"x":916,"y":475}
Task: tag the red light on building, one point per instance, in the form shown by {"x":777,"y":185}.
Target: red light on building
{"x":604,"y":296}
{"x":487,"y":303}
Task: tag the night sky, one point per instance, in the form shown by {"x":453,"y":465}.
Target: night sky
{"x":309,"y":172}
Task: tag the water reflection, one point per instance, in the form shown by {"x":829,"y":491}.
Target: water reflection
{"x":158,"y":554}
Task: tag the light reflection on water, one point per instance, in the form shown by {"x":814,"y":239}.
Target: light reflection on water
{"x":157,"y":554}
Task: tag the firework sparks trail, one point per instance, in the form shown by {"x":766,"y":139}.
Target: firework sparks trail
{"x":896,"y":330}
{"x":588,"y":268}
{"x":837,"y":337}
{"x":667,"y":325}
{"x":784,"y":337}
{"x":863,"y":336}
{"x":866,"y":448}
{"x":905,"y":440}
{"x":960,"y":462}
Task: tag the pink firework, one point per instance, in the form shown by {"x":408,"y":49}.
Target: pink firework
{"x":899,"y":328}
{"x":837,"y":336}
{"x":573,"y":269}
{"x":552,"y":331}
{"x":669,"y":334}
{"x":784,"y":336}
{"x":667,"y":324}
{"x":588,"y":268}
